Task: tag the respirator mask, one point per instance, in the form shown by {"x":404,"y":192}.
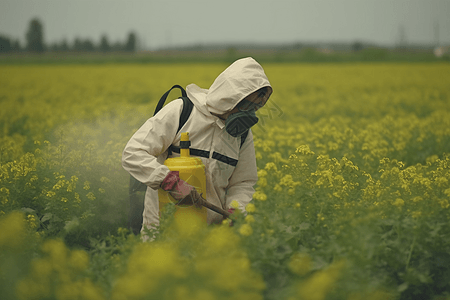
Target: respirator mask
{"x":240,"y":122}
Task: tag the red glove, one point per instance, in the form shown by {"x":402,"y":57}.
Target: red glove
{"x":182,"y":192}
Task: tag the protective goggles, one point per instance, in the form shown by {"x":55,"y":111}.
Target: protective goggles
{"x":247,"y":105}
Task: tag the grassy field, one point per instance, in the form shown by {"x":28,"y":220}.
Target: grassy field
{"x":304,"y":55}
{"x":352,"y":200}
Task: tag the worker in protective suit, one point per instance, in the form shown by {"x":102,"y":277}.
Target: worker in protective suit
{"x":219,"y":118}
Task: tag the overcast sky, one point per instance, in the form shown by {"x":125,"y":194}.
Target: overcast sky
{"x":160,"y":23}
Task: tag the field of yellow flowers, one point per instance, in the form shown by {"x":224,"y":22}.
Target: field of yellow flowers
{"x":352,"y":201}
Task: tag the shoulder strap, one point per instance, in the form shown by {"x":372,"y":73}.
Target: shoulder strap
{"x":164,"y":97}
{"x":186,"y":112}
{"x":187,"y":105}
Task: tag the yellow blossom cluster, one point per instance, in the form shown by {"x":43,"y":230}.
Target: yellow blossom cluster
{"x":320,"y":283}
{"x":13,"y":231}
{"x":56,"y":274}
{"x":215,"y":267}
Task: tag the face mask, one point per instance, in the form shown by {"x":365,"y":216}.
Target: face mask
{"x":239,"y":122}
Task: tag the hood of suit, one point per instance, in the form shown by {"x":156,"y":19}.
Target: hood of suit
{"x":239,"y":80}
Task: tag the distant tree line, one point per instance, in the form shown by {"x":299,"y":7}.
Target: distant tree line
{"x":34,"y":42}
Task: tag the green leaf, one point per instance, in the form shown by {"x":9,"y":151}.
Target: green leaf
{"x":72,"y":224}
{"x":402,"y":287}
{"x":46,"y":217}
{"x":28,"y":210}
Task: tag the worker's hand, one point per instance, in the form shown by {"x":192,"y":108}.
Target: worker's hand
{"x":182,"y":192}
{"x":193,"y":198}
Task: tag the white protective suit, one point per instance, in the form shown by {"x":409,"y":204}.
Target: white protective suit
{"x":230,"y":169}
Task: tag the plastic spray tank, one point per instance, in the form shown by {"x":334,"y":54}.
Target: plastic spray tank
{"x":192,"y":171}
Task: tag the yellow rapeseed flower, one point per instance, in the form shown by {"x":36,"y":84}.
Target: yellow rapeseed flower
{"x":4,"y":195}
{"x":77,"y":198}
{"x":304,"y":150}
{"x":447,"y":192}
{"x":277,"y":187}
{"x":187,"y":224}
{"x":86,"y":185}
{"x":249,"y":219}
{"x":72,"y":184}
{"x":234,"y":204}
{"x":399,"y":202}
{"x":320,"y":283}
{"x":258,"y":195}
{"x":226,"y":222}
{"x":41,"y":268}
{"x":82,"y":289}
{"x":57,"y":252}
{"x":79,"y":260}
{"x":300,"y":263}
{"x":444,"y":203}
{"x":245,"y":230}
{"x":12,"y":230}
{"x":105,"y":179}
{"x":262,"y":173}
{"x":148,"y":265}
{"x":90,"y":196}
{"x":50,"y":194}
{"x":251,"y":208}
{"x":441,"y":181}
{"x":262,"y":182}
{"x":270,"y":166}
{"x":220,"y":238}
{"x":31,"y":219}
{"x":258,"y":155}
{"x":416,"y":214}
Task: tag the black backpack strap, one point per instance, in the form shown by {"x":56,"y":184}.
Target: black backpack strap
{"x":164,"y":97}
{"x":186,"y":112}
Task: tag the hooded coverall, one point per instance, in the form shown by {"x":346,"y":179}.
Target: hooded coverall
{"x":230,"y":169}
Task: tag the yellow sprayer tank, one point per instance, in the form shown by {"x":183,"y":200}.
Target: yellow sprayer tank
{"x":192,"y":171}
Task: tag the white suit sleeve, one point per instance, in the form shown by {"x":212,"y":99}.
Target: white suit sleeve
{"x":142,"y":155}
{"x":244,"y":177}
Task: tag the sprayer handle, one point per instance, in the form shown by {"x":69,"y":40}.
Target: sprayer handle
{"x":216,"y":209}
{"x":202,"y":201}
